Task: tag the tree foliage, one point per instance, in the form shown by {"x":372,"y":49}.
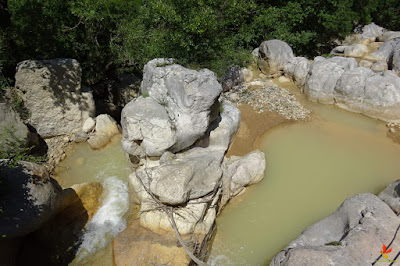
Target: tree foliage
{"x":106,"y":36}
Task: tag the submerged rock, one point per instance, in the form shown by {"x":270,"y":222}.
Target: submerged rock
{"x":51,"y":91}
{"x":274,"y":55}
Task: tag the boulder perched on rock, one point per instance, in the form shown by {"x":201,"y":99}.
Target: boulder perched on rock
{"x":352,"y":235}
{"x":323,"y":76}
{"x":29,"y":198}
{"x":297,"y":69}
{"x":186,"y":178}
{"x":176,"y":108}
{"x":51,"y":91}
{"x":106,"y":128}
{"x":274,"y":55}
{"x":11,"y":123}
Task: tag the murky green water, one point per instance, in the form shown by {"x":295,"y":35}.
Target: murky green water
{"x":311,"y":169}
{"x":86,"y":165}
{"x":110,"y":167}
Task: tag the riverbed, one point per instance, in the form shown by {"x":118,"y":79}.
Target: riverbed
{"x":312,"y":167}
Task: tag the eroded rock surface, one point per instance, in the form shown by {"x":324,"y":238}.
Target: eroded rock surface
{"x":51,"y":91}
{"x":323,"y":76}
{"x":183,"y":102}
{"x":352,"y":235}
{"x":274,"y":55}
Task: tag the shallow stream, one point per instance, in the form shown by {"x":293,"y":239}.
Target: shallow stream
{"x":312,"y":167}
{"x":110,"y":167}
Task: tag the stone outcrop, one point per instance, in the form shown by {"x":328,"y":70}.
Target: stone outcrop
{"x":178,"y":106}
{"x":376,"y":95}
{"x":352,"y":235}
{"x":179,"y":134}
{"x":297,"y":69}
{"x":188,"y":178}
{"x":323,"y":76}
{"x":30,"y":198}
{"x":274,"y":55}
{"x":385,"y":51}
{"x":371,"y":31}
{"x":52,"y":93}
{"x":389,"y":35}
{"x":240,"y":172}
{"x":370,"y":87}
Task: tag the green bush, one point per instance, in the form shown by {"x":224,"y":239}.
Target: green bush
{"x":110,"y":36}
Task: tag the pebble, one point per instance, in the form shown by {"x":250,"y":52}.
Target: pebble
{"x":268,"y":98}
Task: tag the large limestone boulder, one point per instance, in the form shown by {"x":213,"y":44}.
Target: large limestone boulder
{"x":371,"y":31}
{"x":297,"y":69}
{"x":375,"y":95}
{"x":191,"y":179}
{"x":177,"y":106}
{"x":385,"y":51}
{"x":323,"y":76}
{"x":396,"y":60}
{"x":240,"y":172}
{"x":389,"y":35}
{"x":391,"y":196}
{"x":352,"y":235}
{"x":10,"y":122}
{"x":350,"y":86}
{"x":274,"y":55}
{"x":30,"y":197}
{"x":51,"y":91}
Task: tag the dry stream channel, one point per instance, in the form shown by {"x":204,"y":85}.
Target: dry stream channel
{"x":312,"y":167}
